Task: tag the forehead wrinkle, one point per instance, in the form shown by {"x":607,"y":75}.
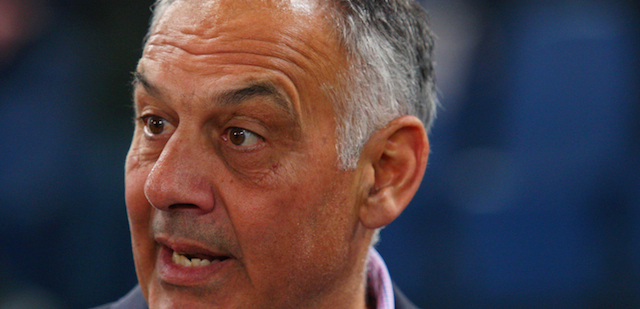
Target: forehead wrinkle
{"x":229,"y":97}
{"x":230,"y":32}
{"x":169,"y":48}
{"x":233,"y":97}
{"x":225,"y":44}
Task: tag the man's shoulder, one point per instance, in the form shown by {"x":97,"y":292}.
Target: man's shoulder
{"x":401,"y":301}
{"x":133,"y":300}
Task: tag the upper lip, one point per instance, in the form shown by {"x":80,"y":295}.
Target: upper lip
{"x":191,"y":248}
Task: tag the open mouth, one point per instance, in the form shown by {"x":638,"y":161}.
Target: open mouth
{"x":195,"y":260}
{"x":182,"y":262}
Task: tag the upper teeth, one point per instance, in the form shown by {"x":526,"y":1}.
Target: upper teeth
{"x":185,"y":261}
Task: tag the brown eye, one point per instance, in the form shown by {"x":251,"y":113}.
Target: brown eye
{"x":242,"y":137}
{"x":237,"y":136}
{"x":154,"y":125}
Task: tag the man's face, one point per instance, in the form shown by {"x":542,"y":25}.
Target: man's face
{"x":233,"y":162}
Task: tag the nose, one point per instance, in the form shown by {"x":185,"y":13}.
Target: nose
{"x":180,"y":177}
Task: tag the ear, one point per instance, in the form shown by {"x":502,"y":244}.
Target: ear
{"x":394,"y":158}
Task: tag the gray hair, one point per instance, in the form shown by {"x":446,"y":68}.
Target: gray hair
{"x":391,"y":75}
{"x":389,"y":45}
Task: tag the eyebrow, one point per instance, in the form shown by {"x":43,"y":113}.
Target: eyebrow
{"x":253,"y":90}
{"x":140,"y":79}
{"x":230,"y":97}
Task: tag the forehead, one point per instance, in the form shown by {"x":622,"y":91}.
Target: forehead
{"x":293,"y":30}
{"x":292,"y":39}
{"x":213,"y":13}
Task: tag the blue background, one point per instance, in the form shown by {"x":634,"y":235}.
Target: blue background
{"x":531,"y":198}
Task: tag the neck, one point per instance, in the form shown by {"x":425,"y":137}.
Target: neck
{"x":352,"y":292}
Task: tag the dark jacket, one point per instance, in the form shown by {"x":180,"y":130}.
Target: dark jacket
{"x":135,"y":300}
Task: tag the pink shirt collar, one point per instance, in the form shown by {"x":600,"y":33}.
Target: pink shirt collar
{"x":379,"y":281}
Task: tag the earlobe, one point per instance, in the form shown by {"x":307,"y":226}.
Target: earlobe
{"x":397,"y":156}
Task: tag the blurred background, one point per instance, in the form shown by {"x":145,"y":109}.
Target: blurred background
{"x":531,"y":198}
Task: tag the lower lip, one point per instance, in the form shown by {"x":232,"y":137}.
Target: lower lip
{"x":179,"y":275}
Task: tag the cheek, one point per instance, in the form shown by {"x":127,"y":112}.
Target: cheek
{"x":139,"y":214}
{"x":138,"y":208}
{"x":302,"y":231}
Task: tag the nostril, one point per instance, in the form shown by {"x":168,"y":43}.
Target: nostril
{"x":183,"y":206}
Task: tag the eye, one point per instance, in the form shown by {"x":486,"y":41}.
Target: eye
{"x":242,"y":137}
{"x":155,"y":125}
